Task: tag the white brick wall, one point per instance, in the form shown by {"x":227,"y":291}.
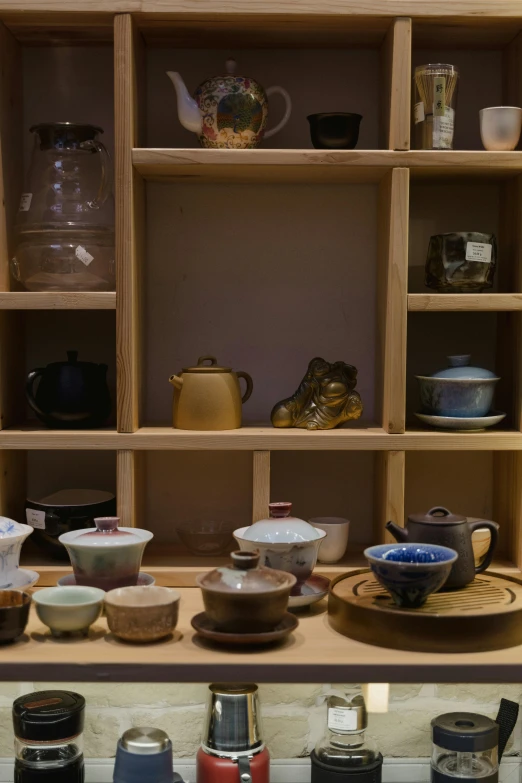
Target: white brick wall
{"x":293,"y":720}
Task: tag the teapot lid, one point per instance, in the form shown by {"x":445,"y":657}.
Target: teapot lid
{"x":107,"y":534}
{"x":459,"y":368}
{"x":438,"y":515}
{"x":212,"y":367}
{"x":281,"y":527}
{"x":245,"y":575}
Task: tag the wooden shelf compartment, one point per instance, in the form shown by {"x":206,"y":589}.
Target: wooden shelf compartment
{"x":314,"y":653}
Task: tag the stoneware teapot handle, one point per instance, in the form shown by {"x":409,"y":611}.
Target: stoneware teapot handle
{"x":249,"y":385}
{"x":288,"y":110}
{"x":31,"y":378}
{"x":493,"y":529}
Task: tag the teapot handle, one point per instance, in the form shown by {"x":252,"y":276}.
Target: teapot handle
{"x":249,"y":385}
{"x":31,"y":378}
{"x":493,"y":529}
{"x":104,"y":189}
{"x":288,"y":110}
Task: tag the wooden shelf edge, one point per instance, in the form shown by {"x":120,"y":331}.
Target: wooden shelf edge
{"x":436,"y":303}
{"x":57,"y":300}
{"x":260,"y":438}
{"x":356,"y":165}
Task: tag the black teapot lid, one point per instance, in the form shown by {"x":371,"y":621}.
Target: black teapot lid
{"x":438,"y":515}
{"x":72,"y":361}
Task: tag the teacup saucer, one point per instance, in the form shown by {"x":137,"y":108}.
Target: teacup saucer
{"x":144,"y":580}
{"x":205,"y":627}
{"x":469,"y":424}
{"x":315,"y":588}
{"x":21,"y":579}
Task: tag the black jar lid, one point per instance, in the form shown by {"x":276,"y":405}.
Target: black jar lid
{"x":48,"y":716}
{"x":464,"y":732}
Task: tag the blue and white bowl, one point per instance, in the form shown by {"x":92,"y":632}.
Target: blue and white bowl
{"x":410,"y":572}
{"x":12,"y":536}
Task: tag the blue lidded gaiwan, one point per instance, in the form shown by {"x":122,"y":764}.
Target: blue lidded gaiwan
{"x":410,"y":572}
{"x":459,"y":390}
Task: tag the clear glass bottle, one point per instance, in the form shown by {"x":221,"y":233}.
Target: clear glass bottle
{"x":345,"y":743}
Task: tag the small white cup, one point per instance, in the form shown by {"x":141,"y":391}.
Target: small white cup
{"x":334,"y":545}
{"x":500,"y":127}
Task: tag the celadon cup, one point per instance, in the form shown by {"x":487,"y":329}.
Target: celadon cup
{"x":67,"y":610}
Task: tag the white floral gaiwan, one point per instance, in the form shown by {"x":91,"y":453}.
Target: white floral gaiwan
{"x":284,"y":542}
{"x":12,"y":536}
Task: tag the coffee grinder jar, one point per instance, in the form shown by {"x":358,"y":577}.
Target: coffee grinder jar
{"x":465,"y":748}
{"x":345,"y":754}
{"x":48,"y":728}
{"x":232,"y":748}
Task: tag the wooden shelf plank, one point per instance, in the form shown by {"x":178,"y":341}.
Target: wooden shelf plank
{"x":314,"y":653}
{"x":260,"y":439}
{"x":436,"y":303}
{"x":57,"y":300}
{"x":319,"y":165}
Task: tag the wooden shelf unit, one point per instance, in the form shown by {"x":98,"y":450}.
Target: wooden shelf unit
{"x":132,"y":27}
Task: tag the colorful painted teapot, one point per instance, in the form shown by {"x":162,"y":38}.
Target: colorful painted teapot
{"x":228,"y":112}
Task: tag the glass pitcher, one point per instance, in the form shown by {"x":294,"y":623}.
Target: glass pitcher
{"x":65,"y":223}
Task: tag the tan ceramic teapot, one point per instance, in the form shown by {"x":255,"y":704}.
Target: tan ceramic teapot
{"x":208,"y":397}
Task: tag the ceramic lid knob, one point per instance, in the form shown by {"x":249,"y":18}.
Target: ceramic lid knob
{"x":460,"y":361}
{"x":280,"y":510}
{"x":230,"y":65}
{"x":106,"y":524}
{"x":244,"y":560}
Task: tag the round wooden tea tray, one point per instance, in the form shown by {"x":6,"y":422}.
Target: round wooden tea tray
{"x":485,"y":615}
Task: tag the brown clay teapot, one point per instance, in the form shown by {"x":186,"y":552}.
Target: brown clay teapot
{"x":440,"y":526}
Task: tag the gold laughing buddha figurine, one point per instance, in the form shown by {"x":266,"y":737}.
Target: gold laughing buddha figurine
{"x":326,"y":397}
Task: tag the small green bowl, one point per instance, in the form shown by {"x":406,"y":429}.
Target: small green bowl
{"x":69,"y":610}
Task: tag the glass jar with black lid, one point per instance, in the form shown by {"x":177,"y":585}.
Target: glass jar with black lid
{"x":48,"y":728}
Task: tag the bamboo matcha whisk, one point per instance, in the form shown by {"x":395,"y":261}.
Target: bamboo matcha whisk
{"x":436,"y":89}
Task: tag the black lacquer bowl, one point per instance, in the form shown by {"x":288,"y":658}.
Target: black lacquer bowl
{"x":335,"y":130}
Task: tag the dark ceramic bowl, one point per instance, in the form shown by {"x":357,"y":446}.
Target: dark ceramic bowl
{"x":334,"y":130}
{"x":14,"y":614}
{"x":64,"y":511}
{"x":410,"y":572}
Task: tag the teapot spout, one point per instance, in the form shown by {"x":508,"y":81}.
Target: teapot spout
{"x":188,"y":110}
{"x":176,"y":381}
{"x":400,"y":534}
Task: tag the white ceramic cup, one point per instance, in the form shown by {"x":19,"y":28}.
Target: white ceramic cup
{"x":500,"y":127}
{"x":334,"y":545}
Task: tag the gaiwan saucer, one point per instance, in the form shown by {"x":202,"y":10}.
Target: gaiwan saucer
{"x":206,"y":628}
{"x":21,"y":579}
{"x":315,"y":588}
{"x":144,"y":580}
{"x":471,"y":424}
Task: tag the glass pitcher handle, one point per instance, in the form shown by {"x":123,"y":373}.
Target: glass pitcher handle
{"x":105,"y":187}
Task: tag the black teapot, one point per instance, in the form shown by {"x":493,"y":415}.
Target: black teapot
{"x":440,"y":526}
{"x":71,"y":394}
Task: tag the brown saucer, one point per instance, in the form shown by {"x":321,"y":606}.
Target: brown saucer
{"x":206,"y":628}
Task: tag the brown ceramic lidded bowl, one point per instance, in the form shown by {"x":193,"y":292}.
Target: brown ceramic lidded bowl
{"x":245,"y":597}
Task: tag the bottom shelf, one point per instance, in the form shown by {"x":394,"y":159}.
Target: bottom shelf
{"x":314,"y":653}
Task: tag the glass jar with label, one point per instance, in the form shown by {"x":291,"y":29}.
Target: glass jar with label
{"x":65,"y":223}
{"x":345,"y":749}
{"x":461,"y":262}
{"x":435,"y":88}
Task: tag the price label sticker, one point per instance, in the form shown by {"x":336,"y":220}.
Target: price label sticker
{"x":83,"y":255}
{"x":25,"y":202}
{"x":439,"y":96}
{"x":418,"y":112}
{"x":35,"y":518}
{"x":478,"y":251}
{"x":342,"y":719}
